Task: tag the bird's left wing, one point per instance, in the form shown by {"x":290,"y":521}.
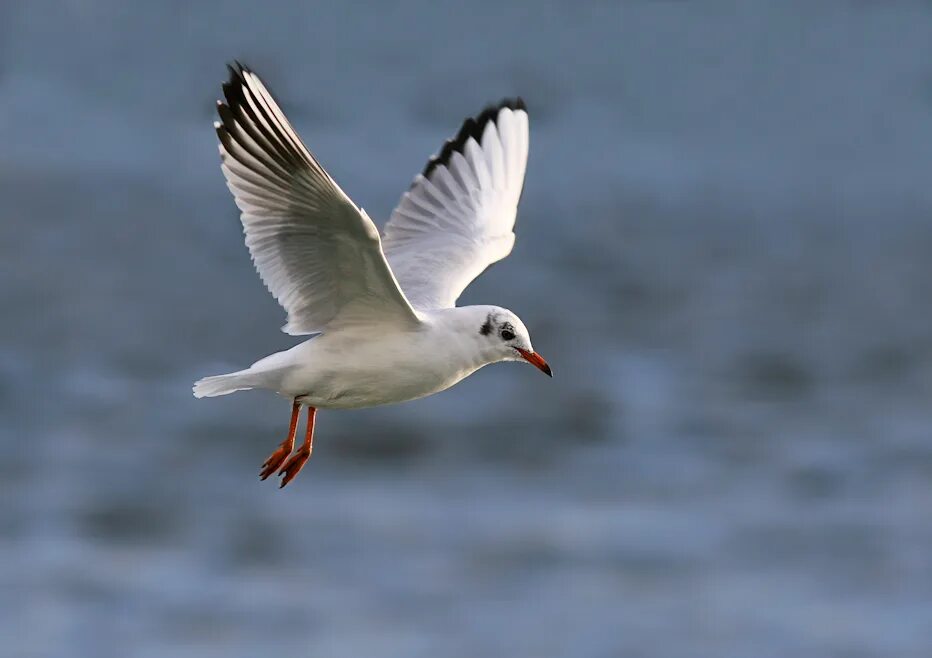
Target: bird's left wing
{"x":317,"y":252}
{"x":459,"y":215}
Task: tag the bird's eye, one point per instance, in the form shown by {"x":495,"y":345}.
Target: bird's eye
{"x":507,"y":335}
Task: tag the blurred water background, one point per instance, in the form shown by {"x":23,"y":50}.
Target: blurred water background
{"x":723,"y":250}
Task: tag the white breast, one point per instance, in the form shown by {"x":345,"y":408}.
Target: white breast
{"x":352,"y":369}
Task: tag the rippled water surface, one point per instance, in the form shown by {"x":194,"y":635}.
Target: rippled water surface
{"x":724,"y":251}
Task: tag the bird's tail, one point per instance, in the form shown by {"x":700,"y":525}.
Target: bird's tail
{"x":209,"y":387}
{"x":264,"y":373}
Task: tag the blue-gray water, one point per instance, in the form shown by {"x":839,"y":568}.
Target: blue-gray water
{"x":724,"y":251}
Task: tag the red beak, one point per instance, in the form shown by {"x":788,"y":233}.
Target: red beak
{"x":536,"y":360}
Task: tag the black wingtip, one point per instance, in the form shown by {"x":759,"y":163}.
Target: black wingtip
{"x":236,"y":70}
{"x":233,"y":87}
{"x":234,"y":79}
{"x":472,"y":127}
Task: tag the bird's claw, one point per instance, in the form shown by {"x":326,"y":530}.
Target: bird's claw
{"x":275,"y":459}
{"x":294,"y":465}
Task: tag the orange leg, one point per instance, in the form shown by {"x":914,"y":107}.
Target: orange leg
{"x":281,"y":453}
{"x":297,"y":461}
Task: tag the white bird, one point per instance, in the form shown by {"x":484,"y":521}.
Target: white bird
{"x":382,"y":311}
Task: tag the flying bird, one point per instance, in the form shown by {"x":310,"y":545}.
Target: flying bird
{"x":381,"y":310}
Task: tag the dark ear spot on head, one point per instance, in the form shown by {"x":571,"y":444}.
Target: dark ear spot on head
{"x":486,"y":328}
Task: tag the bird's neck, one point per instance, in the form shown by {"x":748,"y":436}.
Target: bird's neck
{"x":460,"y":328}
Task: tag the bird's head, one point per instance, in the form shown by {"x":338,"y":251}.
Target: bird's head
{"x":504,"y":337}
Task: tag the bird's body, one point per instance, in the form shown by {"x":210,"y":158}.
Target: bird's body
{"x":350,"y":369}
{"x":381,"y":308}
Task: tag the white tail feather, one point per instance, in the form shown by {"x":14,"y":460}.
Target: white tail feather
{"x":224,"y":384}
{"x":265,"y":373}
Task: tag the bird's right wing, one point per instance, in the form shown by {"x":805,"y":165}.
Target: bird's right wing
{"x":316,"y":251}
{"x":459,"y":215}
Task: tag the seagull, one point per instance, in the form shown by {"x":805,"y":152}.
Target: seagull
{"x":380,"y":310}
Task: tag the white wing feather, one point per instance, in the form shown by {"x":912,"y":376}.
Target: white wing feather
{"x":316,"y":251}
{"x":458,"y":216}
